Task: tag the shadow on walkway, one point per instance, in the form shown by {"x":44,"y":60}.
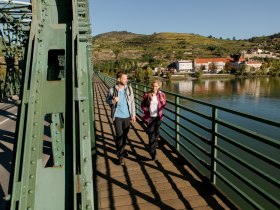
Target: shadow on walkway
{"x":169,"y":183}
{"x":6,"y":157}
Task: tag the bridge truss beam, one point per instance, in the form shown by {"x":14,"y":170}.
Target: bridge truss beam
{"x":56,"y":111}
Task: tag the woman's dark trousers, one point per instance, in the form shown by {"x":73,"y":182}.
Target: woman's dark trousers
{"x":122,"y":128}
{"x":153,"y":132}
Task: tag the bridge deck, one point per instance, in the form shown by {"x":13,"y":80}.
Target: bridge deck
{"x":142,"y":183}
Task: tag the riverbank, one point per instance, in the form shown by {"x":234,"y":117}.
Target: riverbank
{"x":211,"y":76}
{"x":203,"y":76}
{"x":216,"y":76}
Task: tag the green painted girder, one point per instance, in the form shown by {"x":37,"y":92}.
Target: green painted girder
{"x":56,"y":108}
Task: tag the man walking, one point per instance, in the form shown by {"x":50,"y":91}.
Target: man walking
{"x":121,"y":99}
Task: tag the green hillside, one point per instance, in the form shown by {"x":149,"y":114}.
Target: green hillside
{"x":271,"y":43}
{"x":167,"y":47}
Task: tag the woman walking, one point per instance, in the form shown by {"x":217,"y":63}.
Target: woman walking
{"x":152,"y":104}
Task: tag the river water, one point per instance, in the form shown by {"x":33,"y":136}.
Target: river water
{"x":256,"y":96}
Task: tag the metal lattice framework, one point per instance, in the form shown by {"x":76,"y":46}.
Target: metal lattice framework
{"x":15,"y":18}
{"x":56,"y":105}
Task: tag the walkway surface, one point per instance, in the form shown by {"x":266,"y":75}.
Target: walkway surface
{"x":142,"y":183}
{"x":8,"y":116}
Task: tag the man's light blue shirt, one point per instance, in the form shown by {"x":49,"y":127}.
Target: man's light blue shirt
{"x":122,"y":108}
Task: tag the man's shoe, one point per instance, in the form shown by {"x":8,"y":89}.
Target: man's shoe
{"x":125,"y":154}
{"x":122,"y":162}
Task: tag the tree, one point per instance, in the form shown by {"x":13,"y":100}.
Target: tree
{"x":148,"y":73}
{"x":235,"y":57}
{"x":199,"y":72}
{"x":139,"y":74}
{"x":241,"y":70}
{"x":274,"y":68}
{"x":117,"y":52}
{"x":213,"y":67}
{"x":228,"y":66}
{"x":168,"y":75}
{"x":211,"y":48}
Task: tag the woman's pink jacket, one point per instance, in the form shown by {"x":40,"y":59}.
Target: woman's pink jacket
{"x":145,"y":105}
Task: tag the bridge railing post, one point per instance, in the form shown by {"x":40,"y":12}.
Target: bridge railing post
{"x":214,"y":145}
{"x":177,"y":119}
{"x":137,"y":98}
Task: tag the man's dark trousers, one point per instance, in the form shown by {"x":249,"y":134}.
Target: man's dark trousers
{"x":122,"y":127}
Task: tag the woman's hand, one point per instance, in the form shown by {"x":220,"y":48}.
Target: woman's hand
{"x":161,"y":99}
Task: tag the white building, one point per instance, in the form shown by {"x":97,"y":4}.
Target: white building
{"x":255,"y":64}
{"x":218,"y":62}
{"x":184,"y":66}
{"x":206,"y":62}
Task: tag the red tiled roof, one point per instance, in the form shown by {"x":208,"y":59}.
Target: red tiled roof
{"x":210,"y":60}
{"x":214,"y":60}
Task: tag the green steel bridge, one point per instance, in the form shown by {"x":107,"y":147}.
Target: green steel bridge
{"x":63,"y":145}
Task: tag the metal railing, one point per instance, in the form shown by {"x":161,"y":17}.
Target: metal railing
{"x":237,"y":152}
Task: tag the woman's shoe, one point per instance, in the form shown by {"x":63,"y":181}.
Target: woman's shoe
{"x":154,"y":157}
{"x":122,"y":162}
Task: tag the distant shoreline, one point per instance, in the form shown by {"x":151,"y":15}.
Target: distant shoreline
{"x":209,"y":76}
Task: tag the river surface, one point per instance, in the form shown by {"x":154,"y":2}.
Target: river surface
{"x":256,"y":96}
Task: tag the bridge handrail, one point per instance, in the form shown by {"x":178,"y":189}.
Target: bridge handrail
{"x":218,"y":135}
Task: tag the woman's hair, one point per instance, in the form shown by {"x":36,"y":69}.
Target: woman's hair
{"x":156,"y":81}
{"x":151,"y":91}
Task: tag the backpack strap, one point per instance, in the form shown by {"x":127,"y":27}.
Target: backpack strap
{"x":129,"y":90}
{"x":115,"y":92}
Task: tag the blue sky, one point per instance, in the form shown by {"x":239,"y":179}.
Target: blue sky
{"x":219,"y":18}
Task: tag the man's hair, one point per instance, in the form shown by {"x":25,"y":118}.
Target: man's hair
{"x":119,"y":74}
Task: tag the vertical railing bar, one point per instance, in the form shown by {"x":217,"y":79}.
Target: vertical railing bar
{"x":213,"y":145}
{"x":137,"y":98}
{"x":177,"y":121}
